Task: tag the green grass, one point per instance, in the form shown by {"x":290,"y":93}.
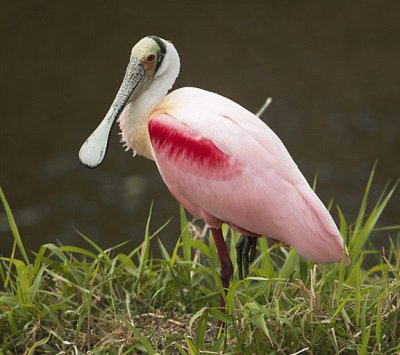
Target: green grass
{"x":67,"y":299}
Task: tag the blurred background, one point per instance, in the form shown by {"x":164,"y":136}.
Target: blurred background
{"x":332,"y":70}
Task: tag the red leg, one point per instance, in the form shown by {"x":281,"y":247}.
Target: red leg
{"x":225,"y":260}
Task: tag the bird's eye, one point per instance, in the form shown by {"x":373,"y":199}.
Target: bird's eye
{"x":151,"y":57}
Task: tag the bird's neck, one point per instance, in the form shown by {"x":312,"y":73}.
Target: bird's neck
{"x":134,"y":119}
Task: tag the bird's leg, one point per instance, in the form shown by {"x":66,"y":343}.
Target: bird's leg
{"x":245,"y":255}
{"x":246,"y":248}
{"x":253,"y":249}
{"x":239,"y":255}
{"x":226,"y":263}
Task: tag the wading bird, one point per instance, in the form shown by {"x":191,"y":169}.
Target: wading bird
{"x":220,"y":161}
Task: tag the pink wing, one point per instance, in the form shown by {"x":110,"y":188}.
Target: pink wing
{"x":225,"y":165}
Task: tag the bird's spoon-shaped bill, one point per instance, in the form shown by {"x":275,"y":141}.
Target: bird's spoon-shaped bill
{"x":94,"y":149}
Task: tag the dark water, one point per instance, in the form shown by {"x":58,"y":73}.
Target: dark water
{"x":332,"y":70}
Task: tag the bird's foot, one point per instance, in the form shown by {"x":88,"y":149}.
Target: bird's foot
{"x":245,"y":254}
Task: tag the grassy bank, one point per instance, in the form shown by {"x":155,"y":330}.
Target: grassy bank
{"x":67,"y":299}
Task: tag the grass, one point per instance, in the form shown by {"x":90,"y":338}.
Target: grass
{"x":68,"y":299}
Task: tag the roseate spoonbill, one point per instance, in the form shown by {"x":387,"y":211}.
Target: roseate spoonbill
{"x":220,"y":161}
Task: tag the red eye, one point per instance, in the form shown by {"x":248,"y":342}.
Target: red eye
{"x":151,"y":57}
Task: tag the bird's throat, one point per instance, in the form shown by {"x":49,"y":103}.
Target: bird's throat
{"x":133,"y":121}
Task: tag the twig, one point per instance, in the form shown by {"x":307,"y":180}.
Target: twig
{"x":264,"y":107}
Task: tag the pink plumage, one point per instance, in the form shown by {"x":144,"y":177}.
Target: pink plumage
{"x":225,"y":165}
{"x":220,"y":161}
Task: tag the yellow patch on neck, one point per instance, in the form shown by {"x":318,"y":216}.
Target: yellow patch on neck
{"x":166,"y":105}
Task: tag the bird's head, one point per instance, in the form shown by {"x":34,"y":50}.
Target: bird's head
{"x":151,"y":59}
{"x":150,"y":52}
